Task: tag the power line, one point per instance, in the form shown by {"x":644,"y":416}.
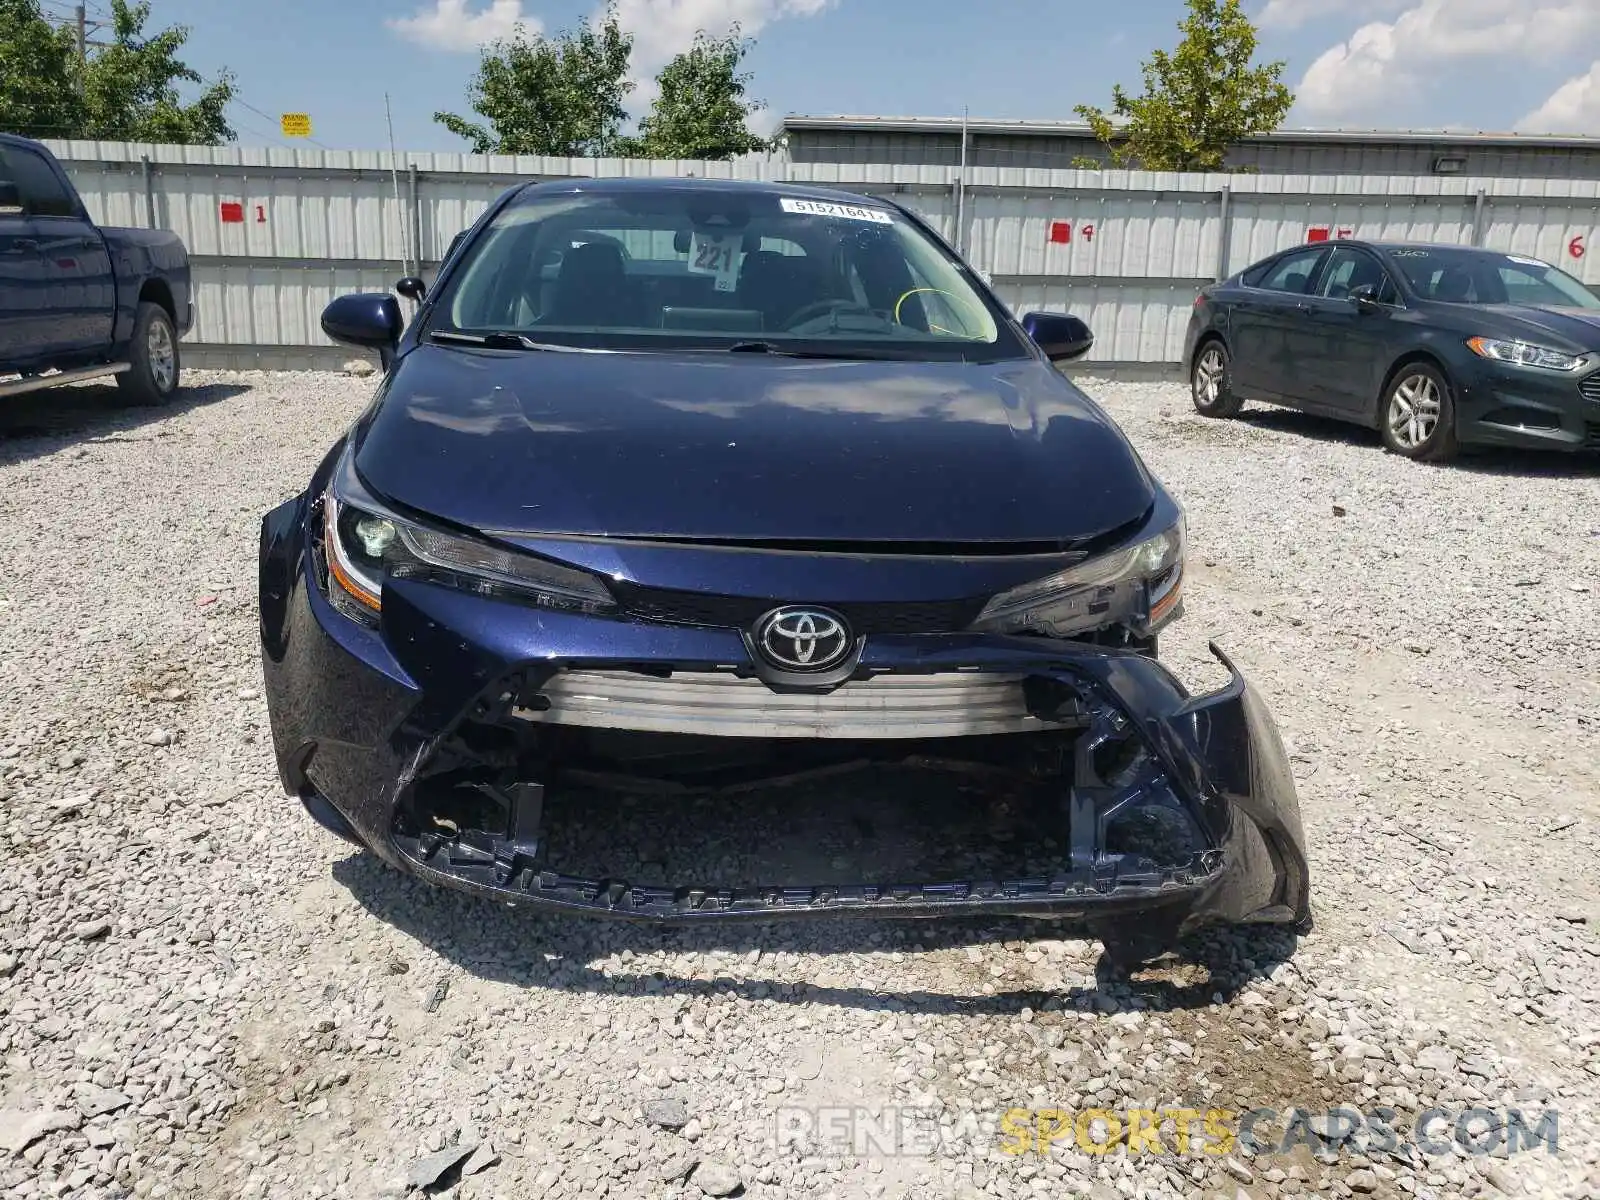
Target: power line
{"x":268,"y":116}
{"x":68,"y":15}
{"x":270,"y":137}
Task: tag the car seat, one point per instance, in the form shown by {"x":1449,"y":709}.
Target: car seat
{"x":1365,"y":273}
{"x":778,"y":285}
{"x":592,"y":288}
{"x":1455,"y":286}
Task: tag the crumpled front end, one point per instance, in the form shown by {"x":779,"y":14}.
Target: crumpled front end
{"x":441,"y":740}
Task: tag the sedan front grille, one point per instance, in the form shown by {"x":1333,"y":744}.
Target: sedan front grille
{"x":718,"y":705}
{"x":1590,"y":388}
{"x":741,"y":612}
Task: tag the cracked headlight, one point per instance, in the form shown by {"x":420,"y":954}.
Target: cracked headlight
{"x":365,"y":543}
{"x":1524,"y":354}
{"x":1139,"y":586}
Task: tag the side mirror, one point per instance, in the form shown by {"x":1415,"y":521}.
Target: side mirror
{"x":10,"y":199}
{"x":1060,"y":336}
{"x":1365,"y":298}
{"x":412,"y":288}
{"x":367,"y":319}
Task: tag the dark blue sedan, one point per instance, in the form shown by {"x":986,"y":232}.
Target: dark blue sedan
{"x":673,"y":475}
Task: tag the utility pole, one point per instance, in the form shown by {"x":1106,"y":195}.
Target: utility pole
{"x":83,"y":40}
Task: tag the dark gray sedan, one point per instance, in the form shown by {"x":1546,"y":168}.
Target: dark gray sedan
{"x":1435,"y":346}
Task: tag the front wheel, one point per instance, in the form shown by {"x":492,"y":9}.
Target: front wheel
{"x":1419,"y":415}
{"x":1128,"y":949}
{"x":1211,"y":383}
{"x":152,"y":379}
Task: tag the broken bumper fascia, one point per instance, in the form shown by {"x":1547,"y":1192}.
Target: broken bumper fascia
{"x":356,"y":716}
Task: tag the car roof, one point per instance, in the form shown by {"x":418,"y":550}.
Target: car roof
{"x":678,"y":183}
{"x":13,"y":139}
{"x":1441,"y":247}
{"x":1383,"y":247}
{"x":1389,"y":247}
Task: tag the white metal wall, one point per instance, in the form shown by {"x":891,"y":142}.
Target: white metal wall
{"x":1126,"y":250}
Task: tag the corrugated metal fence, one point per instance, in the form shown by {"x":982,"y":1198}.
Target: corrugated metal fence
{"x":274,"y":234}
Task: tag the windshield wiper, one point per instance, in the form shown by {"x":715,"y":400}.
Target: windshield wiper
{"x":812,"y":352}
{"x":505,"y":339}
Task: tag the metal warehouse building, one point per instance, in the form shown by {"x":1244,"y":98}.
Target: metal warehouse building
{"x":937,"y":141}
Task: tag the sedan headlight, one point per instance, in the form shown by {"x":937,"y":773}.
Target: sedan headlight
{"x":365,"y":543}
{"x":1140,"y":587}
{"x":1524,"y":354}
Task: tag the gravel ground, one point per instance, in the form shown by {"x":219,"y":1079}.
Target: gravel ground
{"x":203,"y":995}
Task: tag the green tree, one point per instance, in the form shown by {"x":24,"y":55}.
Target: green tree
{"x":1199,"y":100}
{"x":559,"y":96}
{"x":130,"y":89}
{"x":124,"y":91}
{"x":38,"y":69}
{"x":701,"y":111}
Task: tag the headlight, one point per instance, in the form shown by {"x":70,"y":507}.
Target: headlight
{"x":365,"y":543}
{"x":1524,"y":354}
{"x":1140,"y":587}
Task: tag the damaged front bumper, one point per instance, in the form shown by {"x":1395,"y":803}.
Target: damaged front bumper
{"x":430,"y":744}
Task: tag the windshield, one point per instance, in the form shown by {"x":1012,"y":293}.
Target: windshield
{"x":707,"y":268}
{"x":1467,"y":277}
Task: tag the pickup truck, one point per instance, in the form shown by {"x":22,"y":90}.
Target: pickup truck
{"x":78,"y":302}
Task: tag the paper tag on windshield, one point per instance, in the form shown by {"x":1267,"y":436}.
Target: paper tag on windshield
{"x":1528,"y":262}
{"x":848,"y":212}
{"x":716,"y":254}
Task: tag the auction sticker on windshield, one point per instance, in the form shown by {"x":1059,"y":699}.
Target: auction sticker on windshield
{"x":716,"y":254}
{"x":849,"y":212}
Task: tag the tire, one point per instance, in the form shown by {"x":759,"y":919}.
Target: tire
{"x":1417,"y":416}
{"x":153,"y":378}
{"x":1128,"y":950}
{"x":1132,"y":942}
{"x":1211,"y":382}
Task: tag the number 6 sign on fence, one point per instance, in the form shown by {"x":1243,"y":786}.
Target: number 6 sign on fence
{"x":1576,"y":247}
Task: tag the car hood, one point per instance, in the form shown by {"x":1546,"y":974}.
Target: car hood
{"x":744,"y":447}
{"x":1576,"y":330}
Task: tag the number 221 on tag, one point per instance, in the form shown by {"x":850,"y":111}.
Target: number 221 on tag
{"x":718,"y":256}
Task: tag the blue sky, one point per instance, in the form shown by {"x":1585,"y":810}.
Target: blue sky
{"x":1489,"y":64}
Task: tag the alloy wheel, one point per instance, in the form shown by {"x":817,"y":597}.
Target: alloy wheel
{"x":1415,"y":406}
{"x":1209,"y":373}
{"x":163,"y":361}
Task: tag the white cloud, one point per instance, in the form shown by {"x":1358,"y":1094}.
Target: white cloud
{"x":1574,"y":107}
{"x":1291,"y":14}
{"x":1384,"y":61}
{"x":449,"y":25}
{"x":664,"y":28}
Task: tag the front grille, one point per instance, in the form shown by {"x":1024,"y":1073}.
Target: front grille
{"x":742,"y":612}
{"x":1590,"y":388}
{"x":952,"y":704}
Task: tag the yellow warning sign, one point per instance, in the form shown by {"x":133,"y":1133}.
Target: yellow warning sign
{"x":296,"y":124}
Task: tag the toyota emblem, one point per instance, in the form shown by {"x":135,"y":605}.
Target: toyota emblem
{"x":803,"y":639}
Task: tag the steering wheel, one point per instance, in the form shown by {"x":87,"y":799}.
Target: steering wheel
{"x":955,"y":302}
{"x":823,"y":307}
